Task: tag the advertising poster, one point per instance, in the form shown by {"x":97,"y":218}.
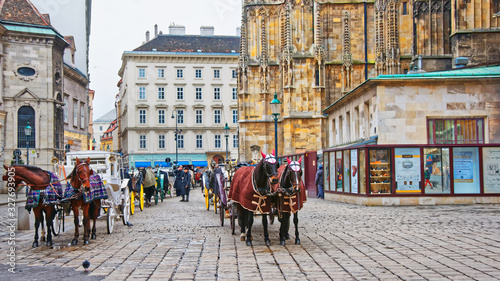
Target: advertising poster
{"x":466,"y":170}
{"x":354,"y":171}
{"x":407,"y":164}
{"x":463,"y":166}
{"x":491,"y":169}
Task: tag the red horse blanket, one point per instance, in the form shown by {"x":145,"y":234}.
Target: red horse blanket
{"x":295,"y":202}
{"x":244,"y":192}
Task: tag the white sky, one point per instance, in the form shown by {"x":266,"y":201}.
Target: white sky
{"x":121,"y":25}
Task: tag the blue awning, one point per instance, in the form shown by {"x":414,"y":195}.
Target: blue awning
{"x":142,"y":164}
{"x":162,"y":164}
{"x":183,"y":163}
{"x":200,"y":163}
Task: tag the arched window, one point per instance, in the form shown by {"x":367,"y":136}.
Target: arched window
{"x":25,"y":114}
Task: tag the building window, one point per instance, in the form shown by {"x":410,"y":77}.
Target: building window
{"x":180,"y":116}
{"x":456,"y":131}
{"x":161,"y":141}
{"x":198,"y":94}
{"x":235,"y":116}
{"x":66,"y":110}
{"x":161,"y":73}
{"x":217,"y":141}
{"x":405,"y":8}
{"x":235,"y":74}
{"x":199,"y":141}
{"x":75,"y":113}
{"x":216,"y":93}
{"x":199,"y":116}
{"x":180,"y":141}
{"x":26,"y":114}
{"x":180,"y":93}
{"x":82,"y":115}
{"x":142,"y":93}
{"x":197,"y":73}
{"x":142,"y":72}
{"x":100,"y":128}
{"x":142,"y":116}
{"x":161,"y":93}
{"x":217,"y":113}
{"x":161,"y":116}
{"x":216,"y":73}
{"x":180,"y":73}
{"x":235,"y":94}
{"x":142,"y":141}
{"x":235,"y":141}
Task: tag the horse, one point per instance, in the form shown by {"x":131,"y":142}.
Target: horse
{"x":250,"y":190}
{"x":38,"y":181}
{"x":79,"y":179}
{"x":289,"y":198}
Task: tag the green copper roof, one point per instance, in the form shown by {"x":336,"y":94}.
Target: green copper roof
{"x":477,"y":72}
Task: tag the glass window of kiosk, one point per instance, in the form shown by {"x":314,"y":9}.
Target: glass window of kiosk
{"x":338,"y":170}
{"x":361,"y":172}
{"x":466,"y":170}
{"x":380,"y":171}
{"x":437,"y":170}
{"x":407,"y":169}
{"x":331,"y":177}
{"x":326,"y":168}
{"x":491,"y":169}
{"x":347,"y":172}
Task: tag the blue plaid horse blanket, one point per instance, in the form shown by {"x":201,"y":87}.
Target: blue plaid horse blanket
{"x":97,"y":190}
{"x":50,"y":194}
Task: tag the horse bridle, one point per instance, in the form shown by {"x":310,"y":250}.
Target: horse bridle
{"x":78,"y":174}
{"x":268,"y":160}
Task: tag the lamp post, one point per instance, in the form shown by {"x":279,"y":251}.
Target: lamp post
{"x":276,"y":109}
{"x":93,"y":144}
{"x":226,"y":135}
{"x":177,"y":132}
{"x":27,"y":132}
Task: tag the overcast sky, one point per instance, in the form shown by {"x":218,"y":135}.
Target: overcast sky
{"x":121,"y":25}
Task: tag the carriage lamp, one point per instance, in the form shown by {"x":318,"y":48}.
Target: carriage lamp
{"x":276,"y":109}
{"x":27,"y":132}
{"x":226,"y":135}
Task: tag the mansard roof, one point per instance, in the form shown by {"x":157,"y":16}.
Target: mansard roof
{"x":21,"y":11}
{"x":108,"y":117}
{"x":192,"y":44}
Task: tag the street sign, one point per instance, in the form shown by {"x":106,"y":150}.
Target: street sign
{"x":17,"y":152}
{"x":167,"y":159}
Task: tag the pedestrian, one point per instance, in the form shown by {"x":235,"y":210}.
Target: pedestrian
{"x":177,"y":182}
{"x":149,"y":185}
{"x":184,"y":182}
{"x":318,"y":181}
{"x":165,"y":180}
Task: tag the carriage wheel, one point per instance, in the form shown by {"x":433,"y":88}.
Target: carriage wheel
{"x":125,"y":208}
{"x":221,"y":213}
{"x":271,"y":215}
{"x":216,"y":200}
{"x":162,"y":193}
{"x":111,"y":219}
{"x":141,"y":198}
{"x":232,"y":217}
{"x":207,"y":199}
{"x":58,"y":221}
{"x":132,"y":202}
{"x":156,"y":196}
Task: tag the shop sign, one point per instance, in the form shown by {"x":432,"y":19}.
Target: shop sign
{"x":408,"y":171}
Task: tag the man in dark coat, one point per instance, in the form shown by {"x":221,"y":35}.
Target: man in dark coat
{"x":177,"y":182}
{"x":318,"y":181}
{"x":184,"y":178}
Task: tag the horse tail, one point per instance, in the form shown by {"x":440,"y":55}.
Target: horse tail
{"x":95,"y":209}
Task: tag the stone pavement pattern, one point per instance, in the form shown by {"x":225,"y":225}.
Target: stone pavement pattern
{"x":182,"y":241}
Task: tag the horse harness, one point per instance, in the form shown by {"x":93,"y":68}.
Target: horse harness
{"x":262,"y":197}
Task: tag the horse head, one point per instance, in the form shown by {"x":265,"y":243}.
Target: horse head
{"x":267,"y":171}
{"x":18,"y":175}
{"x":81,"y":174}
{"x":292,"y":179}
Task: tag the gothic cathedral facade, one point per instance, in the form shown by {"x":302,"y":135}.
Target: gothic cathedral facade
{"x":311,"y":53}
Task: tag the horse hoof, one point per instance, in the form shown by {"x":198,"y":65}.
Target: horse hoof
{"x":73,"y":242}
{"x":93,"y":236}
{"x":249,"y":243}
{"x":35,"y":244}
{"x":297,"y":241}
{"x":242,"y":237}
{"x":268,"y":243}
{"x":86,"y":242}
{"x":49,"y":243}
{"x":282,"y":242}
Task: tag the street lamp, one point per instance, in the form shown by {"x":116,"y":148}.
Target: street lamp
{"x":276,"y":109}
{"x":226,"y":135}
{"x":27,"y":132}
{"x":177,"y":132}
{"x":93,"y":144}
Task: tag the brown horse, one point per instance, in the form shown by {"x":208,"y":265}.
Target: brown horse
{"x":289,"y":198}
{"x":250,"y":190}
{"x":36,"y":179}
{"x":79,"y":179}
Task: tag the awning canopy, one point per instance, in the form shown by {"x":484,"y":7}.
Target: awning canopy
{"x":183,"y":162}
{"x":162,"y":164}
{"x":200,"y":163}
{"x":142,"y":164}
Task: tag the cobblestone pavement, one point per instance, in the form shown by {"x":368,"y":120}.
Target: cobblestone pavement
{"x":182,"y":241}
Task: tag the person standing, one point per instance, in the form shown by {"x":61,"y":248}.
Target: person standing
{"x":149,"y":185}
{"x":184,"y":183}
{"x":177,"y":183}
{"x":318,"y":181}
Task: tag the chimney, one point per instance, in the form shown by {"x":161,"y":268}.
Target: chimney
{"x":176,"y":29}
{"x":156,"y":30}
{"x":207,"y":31}
{"x":147,"y":36}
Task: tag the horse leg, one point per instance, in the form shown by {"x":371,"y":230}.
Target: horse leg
{"x":287,"y":235}
{"x":296,"y":222}
{"x":266,"y":233}
{"x":49,"y":215}
{"x":249,"y":228}
{"x":86,"y":224}
{"x":42,"y":233}
{"x":94,"y":211}
{"x":242,"y":221}
{"x":76,"y":220}
{"x":285,"y":222}
{"x":38,"y":215}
